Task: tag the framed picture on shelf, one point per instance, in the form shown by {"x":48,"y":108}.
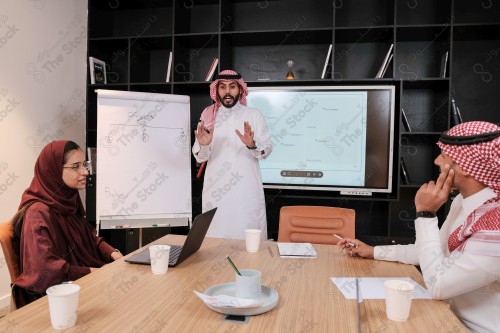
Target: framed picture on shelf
{"x":97,"y":71}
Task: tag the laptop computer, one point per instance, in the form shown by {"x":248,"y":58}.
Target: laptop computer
{"x":178,"y":253}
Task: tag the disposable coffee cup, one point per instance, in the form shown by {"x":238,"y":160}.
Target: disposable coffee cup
{"x":63,"y":305}
{"x":159,"y":256}
{"x":248,"y":284}
{"x":398,"y":297}
{"x":252,"y":239}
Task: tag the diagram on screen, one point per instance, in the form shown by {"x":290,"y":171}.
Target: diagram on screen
{"x":328,"y":134}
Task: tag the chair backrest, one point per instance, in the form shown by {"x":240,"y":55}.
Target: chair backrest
{"x":315,"y":224}
{"x":11,"y":258}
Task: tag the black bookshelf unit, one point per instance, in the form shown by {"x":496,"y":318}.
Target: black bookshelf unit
{"x":135,"y":38}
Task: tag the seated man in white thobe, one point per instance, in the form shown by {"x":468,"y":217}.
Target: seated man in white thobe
{"x":461,"y":261}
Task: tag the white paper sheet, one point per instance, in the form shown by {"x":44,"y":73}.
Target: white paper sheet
{"x":229,"y":301}
{"x":373,"y":288}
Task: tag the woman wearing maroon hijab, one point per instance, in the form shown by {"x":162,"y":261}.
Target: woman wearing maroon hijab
{"x":51,"y":234}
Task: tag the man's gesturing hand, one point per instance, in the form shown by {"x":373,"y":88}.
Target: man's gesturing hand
{"x":203,"y":136}
{"x":247,"y":137}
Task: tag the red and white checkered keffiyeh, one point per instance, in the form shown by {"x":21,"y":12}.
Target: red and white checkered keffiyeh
{"x":480,"y":233}
{"x":480,"y":160}
{"x":208,"y":115}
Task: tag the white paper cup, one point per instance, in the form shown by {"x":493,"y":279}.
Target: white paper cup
{"x":252,"y":239}
{"x":398,"y":296}
{"x":248,"y":284}
{"x":63,"y":305}
{"x":159,"y":255}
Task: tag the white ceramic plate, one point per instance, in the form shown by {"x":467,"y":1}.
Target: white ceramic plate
{"x":270,"y":295}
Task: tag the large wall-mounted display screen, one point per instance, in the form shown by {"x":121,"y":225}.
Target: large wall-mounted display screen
{"x":328,"y":138}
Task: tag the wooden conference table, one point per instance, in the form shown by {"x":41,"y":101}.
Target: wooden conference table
{"x":123,"y":297}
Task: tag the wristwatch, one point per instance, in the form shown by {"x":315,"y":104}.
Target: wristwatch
{"x":426,"y":214}
{"x":254,"y":146}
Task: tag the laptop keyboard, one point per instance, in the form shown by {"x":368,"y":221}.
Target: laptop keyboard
{"x":175,"y":251}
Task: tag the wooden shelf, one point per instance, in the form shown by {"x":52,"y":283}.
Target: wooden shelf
{"x":135,"y":37}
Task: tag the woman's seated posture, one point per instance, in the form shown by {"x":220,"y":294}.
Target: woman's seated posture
{"x":55,"y":243}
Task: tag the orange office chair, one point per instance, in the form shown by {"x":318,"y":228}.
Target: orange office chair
{"x":315,"y":224}
{"x":11,"y":258}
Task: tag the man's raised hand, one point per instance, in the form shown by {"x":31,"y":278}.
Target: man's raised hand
{"x":247,"y":136}
{"x":203,"y":135}
{"x":433,"y":195}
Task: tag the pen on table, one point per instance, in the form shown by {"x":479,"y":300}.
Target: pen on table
{"x":340,"y":238}
{"x":161,"y":225}
{"x":358,"y":307}
{"x":270,"y":251}
{"x":231,"y":262}
{"x":120,"y":226}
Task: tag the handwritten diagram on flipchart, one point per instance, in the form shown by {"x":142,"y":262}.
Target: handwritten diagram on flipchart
{"x":143,"y":156}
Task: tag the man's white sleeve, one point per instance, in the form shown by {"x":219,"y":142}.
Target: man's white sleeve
{"x":457,"y":274}
{"x":407,"y":254}
{"x":200,"y":153}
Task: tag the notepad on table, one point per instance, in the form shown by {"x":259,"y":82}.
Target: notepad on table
{"x":297,"y":250}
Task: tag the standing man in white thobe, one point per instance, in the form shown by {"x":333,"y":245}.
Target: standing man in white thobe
{"x":231,"y":138}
